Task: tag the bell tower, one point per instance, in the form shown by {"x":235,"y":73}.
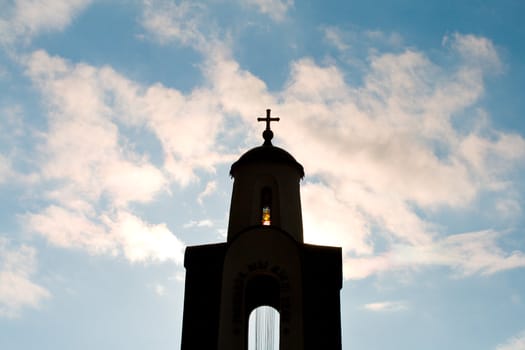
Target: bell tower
{"x":264,"y":262}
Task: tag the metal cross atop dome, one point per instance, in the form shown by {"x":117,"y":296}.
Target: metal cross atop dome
{"x":268,"y":134}
{"x":268,"y":119}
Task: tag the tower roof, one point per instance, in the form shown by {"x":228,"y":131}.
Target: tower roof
{"x":267,"y":153}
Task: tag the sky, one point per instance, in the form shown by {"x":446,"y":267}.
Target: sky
{"x":119,"y":121}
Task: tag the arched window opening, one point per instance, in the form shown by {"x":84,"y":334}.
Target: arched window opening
{"x":266,"y":206}
{"x":263,"y":329}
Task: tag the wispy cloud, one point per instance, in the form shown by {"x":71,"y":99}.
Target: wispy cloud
{"x":21,"y":20}
{"x":160,"y":290}
{"x":200,"y":223}
{"x":386,"y":306}
{"x":371,"y":41}
{"x":142,"y":241}
{"x":385,"y":150}
{"x":381,"y":153}
{"x":275,"y":9}
{"x":105,"y":233}
{"x":334,"y":36}
{"x":95,"y":171}
{"x":13,"y":131}
{"x":211,"y":186}
{"x":5,"y":168}
{"x":516,"y":342}
{"x":17,"y":291}
{"x":465,"y":254}
{"x":168,"y":21}
{"x":477,"y":50}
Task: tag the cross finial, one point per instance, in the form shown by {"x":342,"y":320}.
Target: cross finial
{"x":268,"y":134}
{"x":268,"y":119}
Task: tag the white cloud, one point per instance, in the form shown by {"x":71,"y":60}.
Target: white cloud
{"x":476,"y":50}
{"x":490,"y":157}
{"x":237,"y":90}
{"x":392,"y":39}
{"x":12,"y":124}
{"x":94,"y":171}
{"x":132,"y":182}
{"x":24,"y":19}
{"x":12,"y":131}
{"x":168,"y":21}
{"x":334,"y":36}
{"x":465,"y":254}
{"x":200,"y":223}
{"x":369,"y":41}
{"x":390,"y":148}
{"x":160,"y":290}
{"x":5,"y":168}
{"x":187,"y":127}
{"x":345,"y":223}
{"x":383,"y":152}
{"x":145,"y":242}
{"x":17,"y":291}
{"x":189,"y":22}
{"x":83,"y":143}
{"x":275,"y":9}
{"x":93,"y":168}
{"x":356,"y":46}
{"x":211,"y":187}
{"x":386,"y":306}
{"x":119,"y":234}
{"x":516,"y":342}
{"x":479,"y":252}
{"x":69,"y":228}
{"x":180,"y":276}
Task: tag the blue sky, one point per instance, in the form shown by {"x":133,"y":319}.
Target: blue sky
{"x":119,"y":121}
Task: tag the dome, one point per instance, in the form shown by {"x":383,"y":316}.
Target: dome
{"x":267,"y":154}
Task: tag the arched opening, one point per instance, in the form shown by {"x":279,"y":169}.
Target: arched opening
{"x":266,"y":206}
{"x":262,"y":303}
{"x":263,"y":329}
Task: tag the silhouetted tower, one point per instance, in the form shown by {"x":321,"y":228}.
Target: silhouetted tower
{"x":263,"y":262}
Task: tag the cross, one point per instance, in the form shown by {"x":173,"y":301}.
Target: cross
{"x":268,"y":119}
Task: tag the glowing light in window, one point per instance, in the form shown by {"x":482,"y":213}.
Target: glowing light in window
{"x":266,"y":217}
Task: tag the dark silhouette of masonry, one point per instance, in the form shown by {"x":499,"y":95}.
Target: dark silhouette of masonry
{"x":263,"y":262}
